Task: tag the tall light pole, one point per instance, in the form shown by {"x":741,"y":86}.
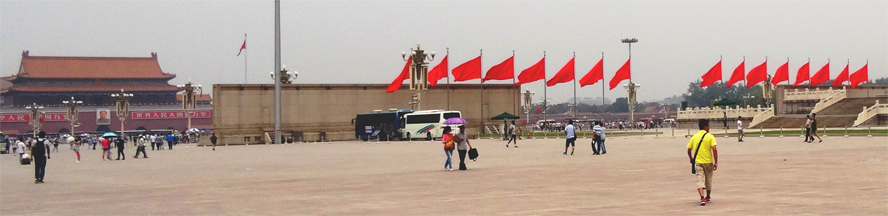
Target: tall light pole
{"x":189,"y":99}
{"x":419,"y":71}
{"x":277,"y":67}
{"x":73,"y":113}
{"x":631,"y":87}
{"x":122,"y":103}
{"x":287,"y":77}
{"x":528,"y":104}
{"x":35,"y":117}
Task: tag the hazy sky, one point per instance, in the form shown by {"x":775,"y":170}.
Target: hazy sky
{"x":361,"y":41}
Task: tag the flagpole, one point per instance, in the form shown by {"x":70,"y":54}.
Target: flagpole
{"x":481,"y":53}
{"x":545,"y":104}
{"x":575,"y":108}
{"x":514,"y":97}
{"x":245,"y":60}
{"x":602,"y":80}
{"x":447,"y":70}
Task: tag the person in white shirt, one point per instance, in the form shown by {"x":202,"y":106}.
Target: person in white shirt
{"x":20,"y":146}
{"x":513,"y":132}
{"x":598,"y":133}
{"x":571,"y":137}
{"x":740,"y":129}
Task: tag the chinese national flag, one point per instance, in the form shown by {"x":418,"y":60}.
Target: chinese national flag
{"x":757,"y":74}
{"x":566,"y":74}
{"x":623,"y":73}
{"x":439,"y":72}
{"x":843,"y":76}
{"x":468,"y":71}
{"x":802,"y":76}
{"x":539,"y":110}
{"x":42,"y":118}
{"x":781,"y":75}
{"x":859,"y":76}
{"x":405,"y":74}
{"x":597,"y":73}
{"x":737,"y":76}
{"x":821,"y":76}
{"x":533,"y":73}
{"x":243,"y":47}
{"x":714,"y":74}
{"x":502,"y":71}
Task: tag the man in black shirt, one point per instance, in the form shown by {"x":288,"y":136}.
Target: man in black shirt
{"x":213,"y":140}
{"x":119,"y":144}
{"x":39,"y":154}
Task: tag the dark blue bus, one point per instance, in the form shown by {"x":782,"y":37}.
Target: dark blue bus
{"x":384,"y":125}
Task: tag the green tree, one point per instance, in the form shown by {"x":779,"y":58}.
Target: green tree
{"x":620,"y":105}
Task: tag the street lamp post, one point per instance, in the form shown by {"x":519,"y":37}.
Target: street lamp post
{"x":528,"y":105}
{"x":631,"y":87}
{"x":122,"y":103}
{"x":189,"y":99}
{"x":73,"y":113}
{"x":419,"y":71}
{"x":35,"y":117}
{"x":287,"y":77}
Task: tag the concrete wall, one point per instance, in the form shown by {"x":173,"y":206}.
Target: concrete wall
{"x":248,"y":110}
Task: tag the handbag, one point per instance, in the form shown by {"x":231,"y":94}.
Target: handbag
{"x":693,"y":165}
{"x":448,"y":145}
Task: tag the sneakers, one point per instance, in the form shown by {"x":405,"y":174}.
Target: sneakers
{"x":451,"y":169}
{"x":708,"y":199}
{"x":702,"y":202}
{"x":145,"y":157}
{"x":516,"y":146}
{"x":571,"y":153}
{"x":604,"y":153}
{"x":77,"y":161}
{"x":565,"y":153}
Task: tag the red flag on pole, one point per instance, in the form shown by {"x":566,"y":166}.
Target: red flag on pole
{"x":533,"y":73}
{"x":597,"y":73}
{"x":405,"y":74}
{"x":243,"y":47}
{"x":859,"y":76}
{"x":737,"y":76}
{"x":821,"y":76}
{"x":843,"y":76}
{"x":42,"y":118}
{"x":757,"y":74}
{"x":539,"y":110}
{"x":502,"y":71}
{"x":566,"y":74}
{"x":468,"y":71}
{"x":803,"y":76}
{"x":714,"y":74}
{"x":623,"y":73}
{"x":782,"y":74}
{"x":438,"y":72}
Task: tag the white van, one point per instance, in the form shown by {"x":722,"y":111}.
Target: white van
{"x":427,"y":123}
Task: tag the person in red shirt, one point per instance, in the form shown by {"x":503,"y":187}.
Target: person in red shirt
{"x":106,"y":148}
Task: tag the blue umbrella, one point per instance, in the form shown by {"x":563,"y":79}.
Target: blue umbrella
{"x":109,"y":134}
{"x":455,"y":121}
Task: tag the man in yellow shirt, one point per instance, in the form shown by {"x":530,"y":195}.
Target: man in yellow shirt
{"x":706,"y":158}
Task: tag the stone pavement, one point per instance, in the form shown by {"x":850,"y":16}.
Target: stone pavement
{"x":645,"y":176}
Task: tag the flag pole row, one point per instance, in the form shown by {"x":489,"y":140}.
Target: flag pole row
{"x":760,"y":74}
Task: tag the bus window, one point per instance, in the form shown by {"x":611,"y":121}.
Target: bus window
{"x":427,"y":118}
{"x":451,"y":115}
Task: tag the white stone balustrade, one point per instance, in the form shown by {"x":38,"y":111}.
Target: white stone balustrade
{"x":871,"y":112}
{"x":719,"y":113}
{"x":808,"y":94}
{"x":829,"y":101}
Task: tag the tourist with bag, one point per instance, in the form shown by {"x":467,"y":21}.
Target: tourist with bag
{"x":447,"y":139}
{"x":704,"y":157}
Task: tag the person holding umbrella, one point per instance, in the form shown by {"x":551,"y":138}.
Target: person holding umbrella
{"x":106,"y":145}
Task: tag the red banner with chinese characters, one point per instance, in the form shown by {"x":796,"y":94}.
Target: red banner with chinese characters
{"x":24,"y":117}
{"x":169,"y":114}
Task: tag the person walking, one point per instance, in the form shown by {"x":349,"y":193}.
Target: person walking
{"x":20,"y":148}
{"x":740,"y":134}
{"x":814,"y":128}
{"x":106,"y":148}
{"x":598,"y":133}
{"x":169,"y":139}
{"x":513,"y":131}
{"x":463,"y":146}
{"x":39,"y":154}
{"x":119,"y":144}
{"x":703,"y":153}
{"x":55,"y":145}
{"x":151,"y":138}
{"x":75,"y":145}
{"x":808,"y":129}
{"x":447,"y":139}
{"x":571,"y":137}
{"x":213,"y":140}
{"x":143,"y":142}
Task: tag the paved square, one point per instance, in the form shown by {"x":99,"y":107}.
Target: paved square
{"x":648,"y":176}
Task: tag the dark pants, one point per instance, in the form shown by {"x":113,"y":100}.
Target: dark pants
{"x":462,"y":159}
{"x":808,"y":134}
{"x":152,"y":148}
{"x":120,"y":154}
{"x":596,"y":146}
{"x":142,"y":150}
{"x":39,"y":167}
{"x":170,"y":143}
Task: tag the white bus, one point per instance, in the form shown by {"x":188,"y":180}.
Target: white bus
{"x":427,"y":123}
